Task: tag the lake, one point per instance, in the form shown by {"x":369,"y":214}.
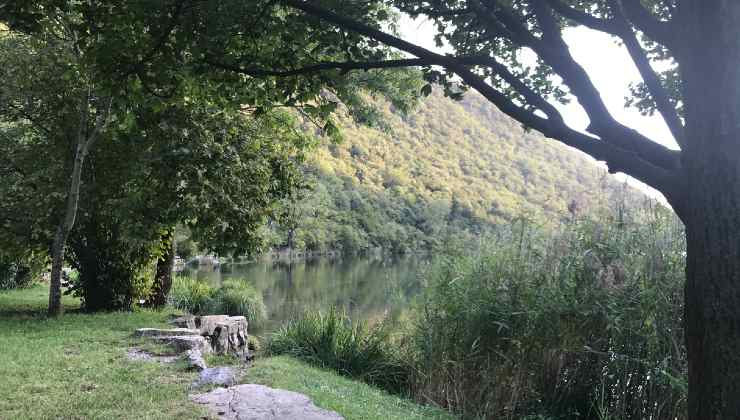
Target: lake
{"x":368,"y":288}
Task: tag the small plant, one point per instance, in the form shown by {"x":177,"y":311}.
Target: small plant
{"x":354,"y":349}
{"x":237,"y":297}
{"x":191,"y":295}
{"x":234,"y":297}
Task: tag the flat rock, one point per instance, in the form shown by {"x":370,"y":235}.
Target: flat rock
{"x":258,"y":402}
{"x":219,"y":376}
{"x":183,"y":343}
{"x":185,"y":321}
{"x":138,"y":355}
{"x":164,"y":332}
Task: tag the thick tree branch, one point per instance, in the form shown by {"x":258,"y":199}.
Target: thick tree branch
{"x":583,"y":18}
{"x":652,"y":81}
{"x":318,"y":67}
{"x":618,"y":160}
{"x":620,"y":27}
{"x":658,"y":31}
{"x":554,"y":51}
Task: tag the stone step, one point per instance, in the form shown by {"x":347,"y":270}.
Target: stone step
{"x":183,"y":343}
{"x":165,"y":332}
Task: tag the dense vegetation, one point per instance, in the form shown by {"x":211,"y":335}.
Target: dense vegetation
{"x":577,"y":323}
{"x":449,"y":170}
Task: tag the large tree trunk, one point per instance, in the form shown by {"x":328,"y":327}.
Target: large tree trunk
{"x":712,"y":311}
{"x":710,"y":206}
{"x":65,"y":226}
{"x":163,"y":276}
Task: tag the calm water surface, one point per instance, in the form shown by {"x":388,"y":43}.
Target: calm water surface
{"x":368,"y":288}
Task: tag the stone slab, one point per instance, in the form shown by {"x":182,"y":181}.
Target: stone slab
{"x":258,"y":402}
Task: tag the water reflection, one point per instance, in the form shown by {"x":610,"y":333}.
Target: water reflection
{"x":368,"y":288}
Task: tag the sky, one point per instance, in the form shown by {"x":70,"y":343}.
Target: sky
{"x":611,"y":70}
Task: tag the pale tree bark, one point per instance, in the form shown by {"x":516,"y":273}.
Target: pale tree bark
{"x":84,"y":143}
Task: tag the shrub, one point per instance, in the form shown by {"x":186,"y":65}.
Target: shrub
{"x":237,"y":297}
{"x":354,"y":349}
{"x":234,"y":297}
{"x":191,"y":295}
{"x":18,"y":273}
{"x":115,"y":272}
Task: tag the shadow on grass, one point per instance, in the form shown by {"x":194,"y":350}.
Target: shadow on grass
{"x":32,"y":302}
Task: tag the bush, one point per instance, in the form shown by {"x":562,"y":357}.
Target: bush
{"x":18,"y":273}
{"x":333,"y":341}
{"x":235,"y":297}
{"x":584,"y":323}
{"x":115,"y":272}
{"x":191,"y":295}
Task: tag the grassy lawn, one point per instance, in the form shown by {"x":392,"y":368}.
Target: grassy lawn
{"x":74,"y":367}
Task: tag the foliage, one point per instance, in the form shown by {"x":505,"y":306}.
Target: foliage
{"x":191,"y":295}
{"x":17,"y":272}
{"x":334,"y":341}
{"x":447,"y":171}
{"x":204,"y":148}
{"x":582,"y":324}
{"x":233,"y":297}
{"x":578,"y":321}
{"x":237,"y":297}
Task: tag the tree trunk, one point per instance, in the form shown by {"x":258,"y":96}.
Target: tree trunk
{"x":85,"y":142}
{"x":163,"y":277}
{"x":66,"y":225}
{"x":712,"y":308}
{"x":710,"y":206}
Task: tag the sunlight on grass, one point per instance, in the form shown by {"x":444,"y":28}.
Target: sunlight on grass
{"x":354,"y":400}
{"x":75,"y":366}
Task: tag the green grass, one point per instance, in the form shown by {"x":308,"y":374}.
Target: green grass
{"x":352,"y":399}
{"x":74,"y":367}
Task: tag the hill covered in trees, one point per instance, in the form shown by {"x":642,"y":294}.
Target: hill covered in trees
{"x":447,"y":170}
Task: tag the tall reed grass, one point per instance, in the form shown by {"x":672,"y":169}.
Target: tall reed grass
{"x":580,"y":322}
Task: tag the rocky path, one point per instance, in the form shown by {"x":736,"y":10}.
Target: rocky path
{"x":222,"y":334}
{"x":258,"y":402}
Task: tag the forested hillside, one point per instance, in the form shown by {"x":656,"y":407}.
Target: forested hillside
{"x":449,"y":169}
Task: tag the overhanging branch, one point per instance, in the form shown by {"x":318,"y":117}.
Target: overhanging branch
{"x":639,"y":165}
{"x":643,"y":20}
{"x":583,"y":18}
{"x":318,"y":67}
{"x":663,"y":103}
